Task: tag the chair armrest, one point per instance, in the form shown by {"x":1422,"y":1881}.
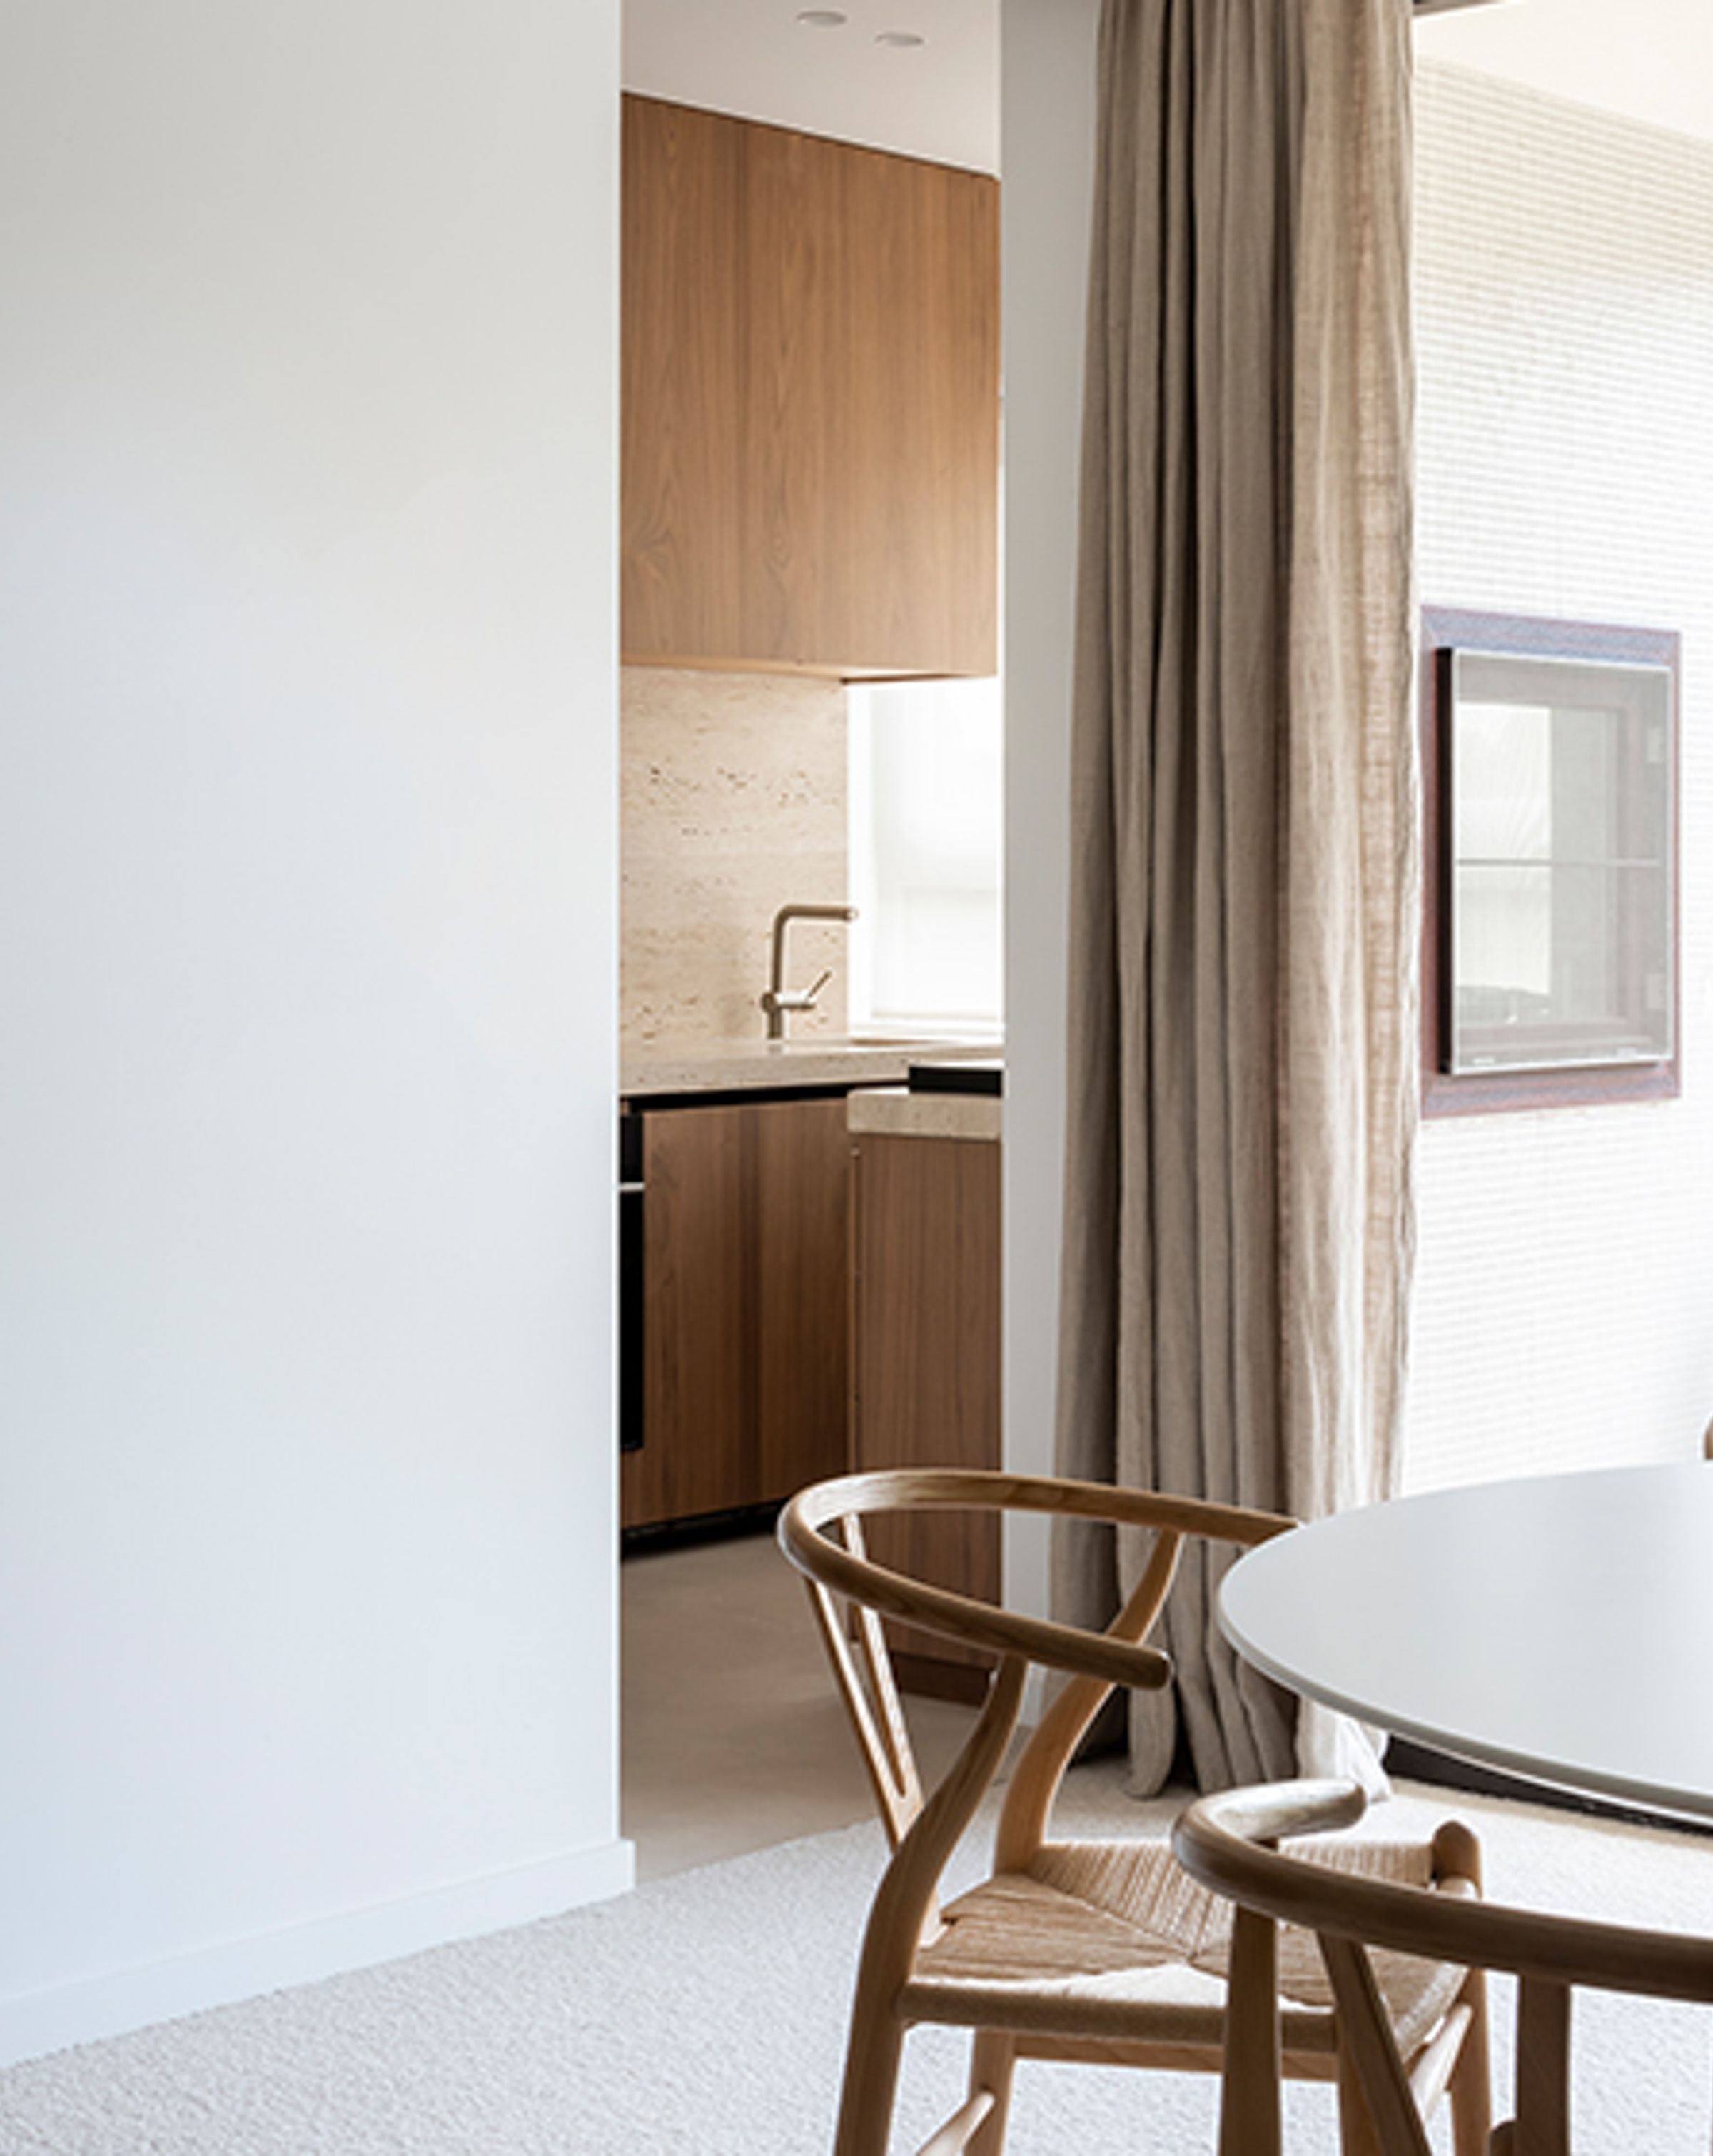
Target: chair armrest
{"x":1273,"y":1813}
{"x":961,"y":1617}
{"x":981,"y":1489}
{"x":1221,"y":1841}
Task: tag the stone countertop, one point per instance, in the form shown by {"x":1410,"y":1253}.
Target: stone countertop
{"x":894,"y":1111}
{"x":734,"y":1067}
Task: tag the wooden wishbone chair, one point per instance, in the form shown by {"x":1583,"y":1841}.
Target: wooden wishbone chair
{"x":1097,"y":1953}
{"x":1229,"y":1843}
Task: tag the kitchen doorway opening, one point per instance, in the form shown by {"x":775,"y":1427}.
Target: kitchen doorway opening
{"x":739,"y":794}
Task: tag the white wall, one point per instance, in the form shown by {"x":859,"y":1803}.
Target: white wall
{"x":1047,"y":163}
{"x":307,"y":869}
{"x":1564,"y":1317}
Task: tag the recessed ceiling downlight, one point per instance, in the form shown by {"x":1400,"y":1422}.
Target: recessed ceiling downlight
{"x":898,"y":38}
{"x":821,"y":18}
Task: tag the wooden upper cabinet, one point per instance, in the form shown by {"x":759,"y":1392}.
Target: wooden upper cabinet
{"x":811,"y":403}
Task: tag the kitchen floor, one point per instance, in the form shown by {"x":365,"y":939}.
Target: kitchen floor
{"x":733,"y":1737}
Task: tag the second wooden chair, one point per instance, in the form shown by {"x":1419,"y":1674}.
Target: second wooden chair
{"x":1364,"y":1927}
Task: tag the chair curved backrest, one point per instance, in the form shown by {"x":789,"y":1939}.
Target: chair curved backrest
{"x":821,"y":1532}
{"x":1228,"y":1844}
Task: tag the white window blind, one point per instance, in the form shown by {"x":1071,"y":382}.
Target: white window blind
{"x":926,"y":853}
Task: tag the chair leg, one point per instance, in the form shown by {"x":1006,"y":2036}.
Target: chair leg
{"x":1470,"y":2089}
{"x":1355,"y":2126}
{"x":871,"y":2063}
{"x":1250,"y":2082}
{"x":993,"y":2063}
{"x":1543,"y":2066}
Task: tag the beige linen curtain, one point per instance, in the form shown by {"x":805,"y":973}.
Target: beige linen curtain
{"x":1238,"y":1229}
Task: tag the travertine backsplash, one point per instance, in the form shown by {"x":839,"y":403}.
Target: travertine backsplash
{"x":732,"y":802}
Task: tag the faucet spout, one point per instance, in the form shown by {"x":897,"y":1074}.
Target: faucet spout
{"x":777,"y":999}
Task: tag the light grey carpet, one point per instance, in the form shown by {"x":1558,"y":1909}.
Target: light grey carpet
{"x":704,"y":2016}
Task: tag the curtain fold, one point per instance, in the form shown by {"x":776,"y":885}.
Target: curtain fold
{"x":1242,"y":1073}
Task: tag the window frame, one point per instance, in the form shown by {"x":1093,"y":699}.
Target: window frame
{"x":1446,"y":630}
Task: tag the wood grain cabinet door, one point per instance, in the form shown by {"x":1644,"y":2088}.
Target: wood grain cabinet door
{"x":745,"y":1292}
{"x":696,"y":1321}
{"x":926,"y":1301}
{"x":801,"y":1153}
{"x":810,"y":401}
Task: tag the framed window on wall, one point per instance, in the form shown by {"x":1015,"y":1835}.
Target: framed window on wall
{"x":1550,"y":965}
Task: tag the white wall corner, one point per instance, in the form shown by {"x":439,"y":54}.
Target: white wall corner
{"x":1046,"y":165}
{"x":123,"y":1999}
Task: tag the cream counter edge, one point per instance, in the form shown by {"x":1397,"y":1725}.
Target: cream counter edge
{"x":755,"y":1066}
{"x":894,"y":1111}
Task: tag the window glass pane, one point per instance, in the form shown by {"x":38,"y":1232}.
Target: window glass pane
{"x":926,"y":840}
{"x":1560,"y":868}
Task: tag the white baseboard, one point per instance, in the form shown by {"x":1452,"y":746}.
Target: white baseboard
{"x":127,"y":1998}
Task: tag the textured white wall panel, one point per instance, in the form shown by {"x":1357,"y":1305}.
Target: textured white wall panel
{"x":1564,"y":1312}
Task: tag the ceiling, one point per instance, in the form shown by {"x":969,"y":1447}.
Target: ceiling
{"x":938,"y":99}
{"x":1650,"y":60}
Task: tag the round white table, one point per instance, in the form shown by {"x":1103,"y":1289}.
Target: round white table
{"x":1559,"y":1627}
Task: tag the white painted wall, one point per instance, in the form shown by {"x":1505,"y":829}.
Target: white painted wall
{"x":308,"y":874}
{"x":1565,"y":300}
{"x":1047,"y":161}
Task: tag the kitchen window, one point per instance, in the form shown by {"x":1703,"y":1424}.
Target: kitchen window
{"x":926,"y":855}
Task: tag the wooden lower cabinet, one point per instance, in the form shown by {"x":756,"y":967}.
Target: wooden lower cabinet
{"x":746,"y":1366}
{"x":926,"y":1303}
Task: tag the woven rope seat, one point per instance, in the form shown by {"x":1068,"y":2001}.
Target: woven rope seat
{"x":1093,"y":1934}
